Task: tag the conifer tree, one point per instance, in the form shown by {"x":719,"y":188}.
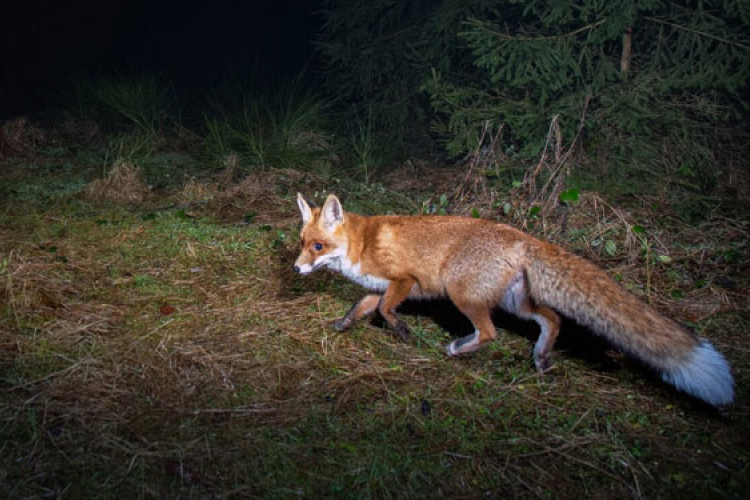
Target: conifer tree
{"x":652,"y":74}
{"x":659,"y":84}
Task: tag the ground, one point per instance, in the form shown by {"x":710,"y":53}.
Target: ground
{"x":160,"y":346}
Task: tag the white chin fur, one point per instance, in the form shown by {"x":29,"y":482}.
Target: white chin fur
{"x":305,"y":269}
{"x":704,"y":374}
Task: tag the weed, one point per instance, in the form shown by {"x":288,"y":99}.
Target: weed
{"x":140,"y":101}
{"x":363,"y":144}
{"x":122,"y":184}
{"x":281,"y":130}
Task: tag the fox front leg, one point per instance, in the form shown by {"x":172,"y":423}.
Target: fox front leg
{"x":359,"y":310}
{"x":385,"y":304}
{"x":395,"y":294}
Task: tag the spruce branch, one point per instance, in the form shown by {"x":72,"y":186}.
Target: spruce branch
{"x":484,"y":28}
{"x":698,"y":32}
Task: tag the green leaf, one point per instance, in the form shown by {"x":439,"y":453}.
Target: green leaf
{"x":610,"y":247}
{"x":534,"y":211}
{"x":638,"y":229}
{"x":676,"y":294}
{"x":665,"y":259}
{"x":569,"y":196}
{"x":475,"y":213}
{"x":506,"y":208}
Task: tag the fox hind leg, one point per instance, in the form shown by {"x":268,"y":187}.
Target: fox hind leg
{"x":484,"y":332}
{"x":517,"y":300}
{"x":549,"y":328}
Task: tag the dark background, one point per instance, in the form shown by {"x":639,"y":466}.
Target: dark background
{"x":194,"y":45}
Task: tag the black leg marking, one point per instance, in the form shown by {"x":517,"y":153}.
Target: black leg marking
{"x":402,"y":329}
{"x":465,"y":340}
{"x":454,"y":348}
{"x":345,"y":322}
{"x":543,"y":362}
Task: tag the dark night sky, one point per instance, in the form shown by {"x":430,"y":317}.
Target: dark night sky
{"x":193,"y":44}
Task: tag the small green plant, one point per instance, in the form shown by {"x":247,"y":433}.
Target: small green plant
{"x":569,"y":196}
{"x":610,"y":247}
{"x":218,"y":142}
{"x":47,"y":189}
{"x":364,"y":146}
{"x":646,"y":248}
{"x":279,"y":130}
{"x":133,"y":146}
{"x":140,"y":101}
{"x":439,"y":208}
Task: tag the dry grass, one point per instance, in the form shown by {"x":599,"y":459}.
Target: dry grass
{"x":197,"y":192}
{"x":82,"y":131}
{"x":19,"y":137}
{"x":176,"y":357}
{"x":258,"y":196}
{"x":123,"y":184}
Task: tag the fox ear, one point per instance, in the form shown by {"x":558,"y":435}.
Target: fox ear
{"x":304,"y":208}
{"x":333,"y":213}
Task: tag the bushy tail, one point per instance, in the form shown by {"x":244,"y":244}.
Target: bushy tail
{"x":580,"y":290}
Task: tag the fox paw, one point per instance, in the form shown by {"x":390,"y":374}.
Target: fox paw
{"x":450,"y":350}
{"x":340,"y":325}
{"x":543,"y":362}
{"x":402,"y":329}
{"x":463,"y":345}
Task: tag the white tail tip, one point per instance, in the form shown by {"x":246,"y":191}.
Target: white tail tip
{"x":705,"y":375}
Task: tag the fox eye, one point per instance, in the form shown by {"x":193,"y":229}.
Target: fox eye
{"x":318,"y":247}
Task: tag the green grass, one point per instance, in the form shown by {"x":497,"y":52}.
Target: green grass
{"x":140,"y":101}
{"x":282,"y":129}
{"x":146,"y":352}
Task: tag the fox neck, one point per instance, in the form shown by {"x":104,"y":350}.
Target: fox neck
{"x":354,"y":273}
{"x":350,"y":264}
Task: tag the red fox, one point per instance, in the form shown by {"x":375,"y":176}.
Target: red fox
{"x":480,"y":265}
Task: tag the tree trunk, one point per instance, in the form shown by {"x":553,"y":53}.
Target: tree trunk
{"x":627,"y":47}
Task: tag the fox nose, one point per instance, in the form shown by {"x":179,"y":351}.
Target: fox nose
{"x":296,"y":269}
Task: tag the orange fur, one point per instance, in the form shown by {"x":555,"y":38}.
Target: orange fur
{"x":481,"y":265}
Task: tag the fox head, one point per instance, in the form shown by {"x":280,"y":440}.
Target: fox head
{"x":323,"y":239}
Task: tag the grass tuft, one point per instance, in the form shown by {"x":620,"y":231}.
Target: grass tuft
{"x":141,"y":101}
{"x":122,"y":184}
{"x":283,"y":130}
